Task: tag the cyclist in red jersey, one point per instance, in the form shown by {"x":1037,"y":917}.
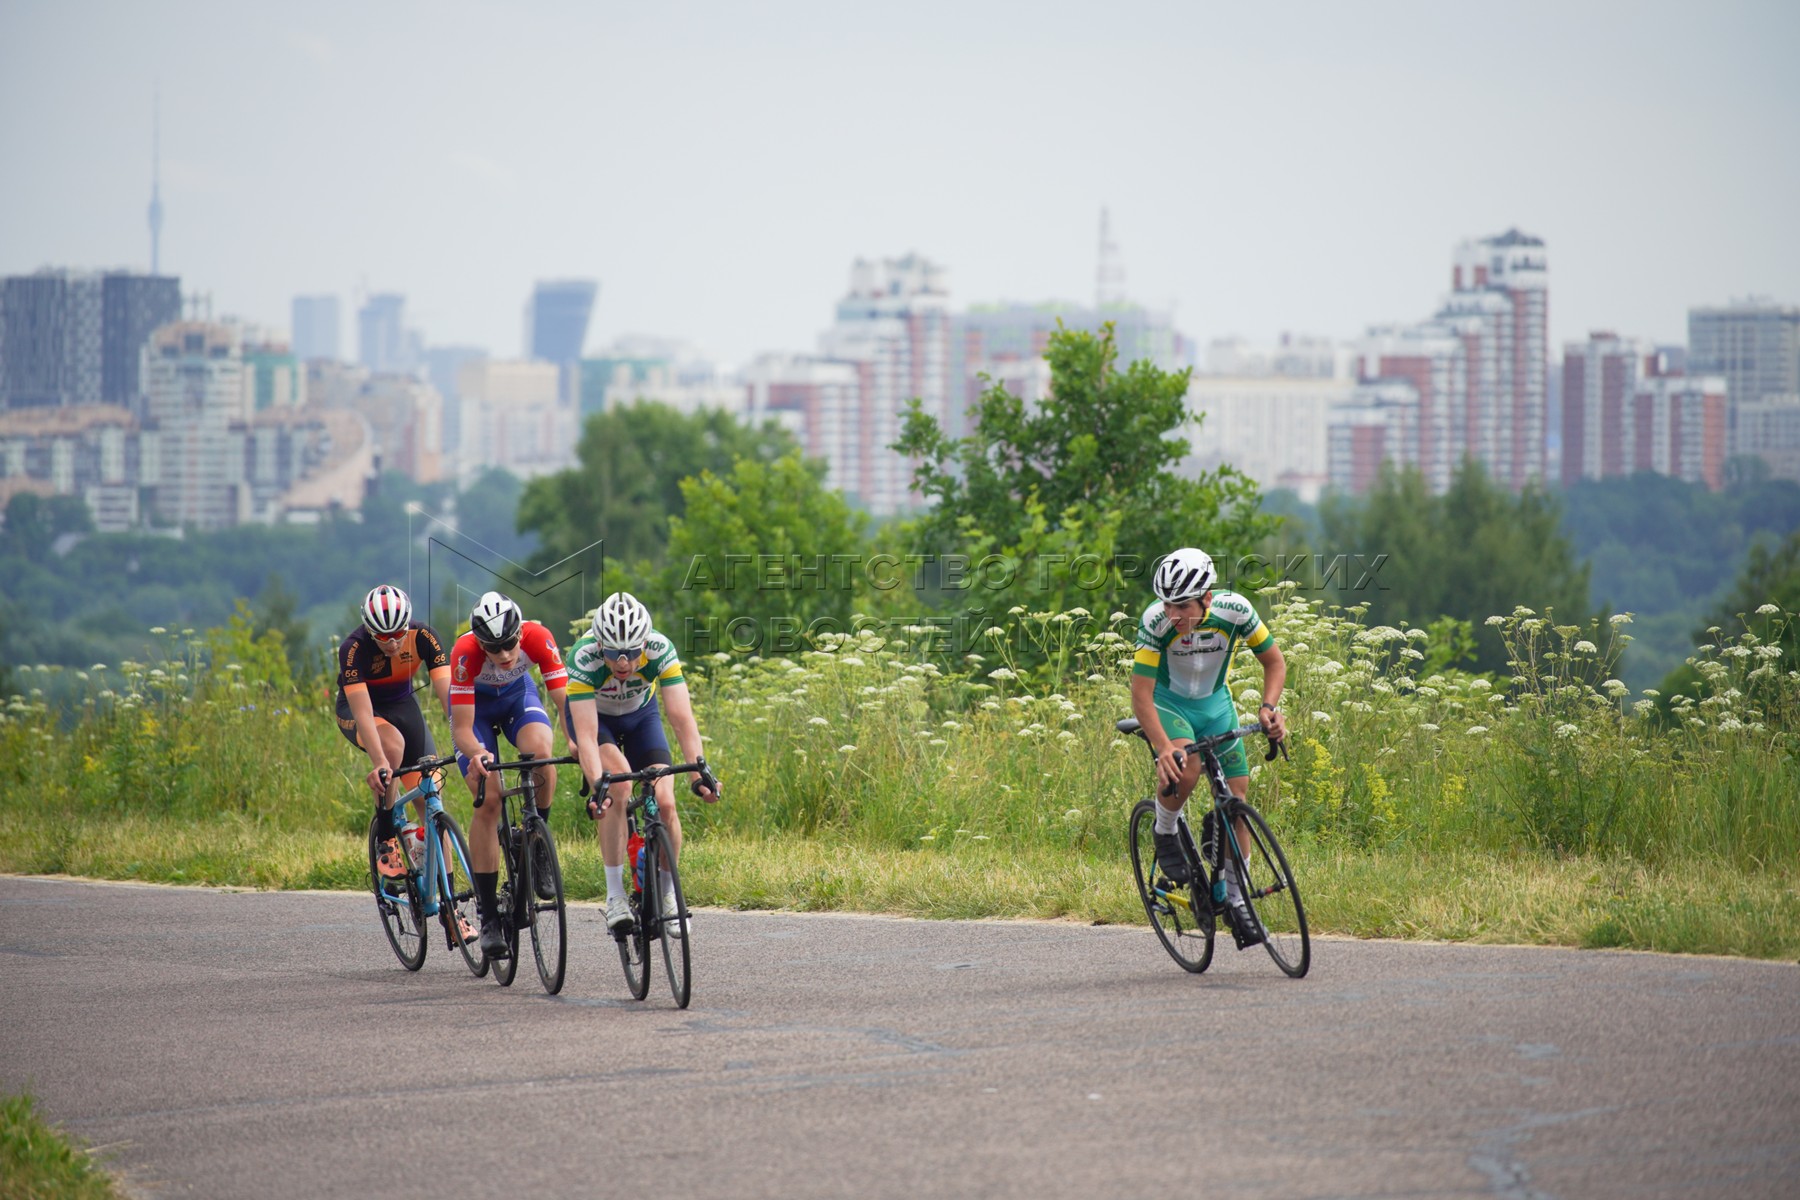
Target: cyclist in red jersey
{"x":491,"y":693}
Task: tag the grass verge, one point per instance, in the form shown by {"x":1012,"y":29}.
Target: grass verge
{"x":1696,"y":906}
{"x":38,"y":1162}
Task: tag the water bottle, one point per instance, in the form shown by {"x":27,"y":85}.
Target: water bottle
{"x":1219,"y":888}
{"x":412,"y":836}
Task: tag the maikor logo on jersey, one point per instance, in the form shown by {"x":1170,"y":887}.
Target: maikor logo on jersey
{"x":588,"y":658}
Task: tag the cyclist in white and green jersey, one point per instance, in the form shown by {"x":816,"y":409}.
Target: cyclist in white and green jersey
{"x":615,"y":725}
{"x":1179,"y":693}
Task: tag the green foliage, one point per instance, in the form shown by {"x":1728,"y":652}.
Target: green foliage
{"x":1475,"y":550}
{"x":1089,"y":471}
{"x":33,"y":523}
{"x":626,"y":486}
{"x":738,"y":553}
{"x":486,"y":515}
{"x":862,"y":774}
{"x":38,"y":1161}
{"x":94,"y":602}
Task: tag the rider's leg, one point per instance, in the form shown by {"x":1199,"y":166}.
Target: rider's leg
{"x":534,"y":739}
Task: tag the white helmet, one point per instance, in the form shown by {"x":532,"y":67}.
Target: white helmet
{"x":621,"y":622}
{"x":386,"y":611}
{"x":1183,"y":575}
{"x":495,"y":622}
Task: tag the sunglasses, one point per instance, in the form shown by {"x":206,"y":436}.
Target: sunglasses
{"x":497,"y":647}
{"x":622,"y":654}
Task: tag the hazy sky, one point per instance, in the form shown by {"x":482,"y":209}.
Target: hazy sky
{"x":717,"y":166}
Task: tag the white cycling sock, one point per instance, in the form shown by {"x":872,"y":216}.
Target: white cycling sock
{"x":1165,"y":818}
{"x":615,"y":881}
{"x":1234,"y":894}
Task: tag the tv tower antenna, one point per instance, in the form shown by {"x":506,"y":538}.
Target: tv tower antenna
{"x":156,"y":209}
{"x":1109,"y":274}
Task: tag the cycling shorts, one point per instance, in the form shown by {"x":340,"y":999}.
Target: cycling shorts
{"x":403,"y":714}
{"x":505,"y":712}
{"x":639,"y":733}
{"x":1186,"y":720}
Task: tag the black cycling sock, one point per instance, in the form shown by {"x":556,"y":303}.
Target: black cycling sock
{"x":385,"y":825}
{"x":544,"y":814}
{"x":487,"y":883}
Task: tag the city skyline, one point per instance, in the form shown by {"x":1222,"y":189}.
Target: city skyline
{"x":1305,"y":172}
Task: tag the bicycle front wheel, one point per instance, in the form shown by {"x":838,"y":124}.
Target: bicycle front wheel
{"x":402,"y":911}
{"x":549,"y":920}
{"x":665,"y":883}
{"x":1274,"y":897}
{"x":1181,"y":914}
{"x":634,"y":948}
{"x":457,"y":907}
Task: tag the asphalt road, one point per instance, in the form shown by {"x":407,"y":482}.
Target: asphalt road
{"x":267,"y":1044}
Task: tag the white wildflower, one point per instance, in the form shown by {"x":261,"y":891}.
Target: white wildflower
{"x":1476,"y":730}
{"x":1768,"y":610}
{"x":847,"y":749}
{"x":1586,"y":647}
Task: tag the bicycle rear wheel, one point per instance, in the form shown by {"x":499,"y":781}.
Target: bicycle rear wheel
{"x":457,"y":908}
{"x":1274,"y":897}
{"x":1181,"y":915}
{"x":663,"y":879}
{"x":402,"y":912}
{"x":549,"y":920}
{"x":510,"y":897}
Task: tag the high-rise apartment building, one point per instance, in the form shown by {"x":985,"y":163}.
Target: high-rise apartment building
{"x":1754,"y":344}
{"x":556,"y":319}
{"x":443,"y":364}
{"x":1381,"y":423}
{"x":1478,"y":365}
{"x":1599,"y":384}
{"x":894,"y":326}
{"x":1499,"y":306}
{"x":1627,"y":407}
{"x":817,"y":400}
{"x":194,"y":412}
{"x":1677,"y":425}
{"x":1769,"y":429}
{"x":1004,"y":340}
{"x":132,"y":307}
{"x":383,"y":342}
{"x":74,"y":337}
{"x":513,"y":417}
{"x":317,"y":324}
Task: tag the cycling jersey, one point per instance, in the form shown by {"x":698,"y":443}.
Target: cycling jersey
{"x":590,"y":678}
{"x":472,"y":671}
{"x":388,"y":678}
{"x":1192,"y":665}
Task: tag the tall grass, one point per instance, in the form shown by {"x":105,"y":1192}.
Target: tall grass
{"x":987,"y":780}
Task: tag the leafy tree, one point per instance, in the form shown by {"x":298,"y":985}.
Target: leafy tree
{"x":1090,"y":469}
{"x":627,"y":484}
{"x":759,"y":557}
{"x":486,"y":511}
{"x":1468,"y":554}
{"x":33,"y":523}
{"x":275,"y":613}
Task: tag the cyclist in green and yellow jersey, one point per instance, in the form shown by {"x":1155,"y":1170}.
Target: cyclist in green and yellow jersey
{"x":1178,"y":694}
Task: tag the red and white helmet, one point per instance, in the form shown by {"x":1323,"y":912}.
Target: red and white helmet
{"x":1183,"y":574}
{"x":386,"y":611}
